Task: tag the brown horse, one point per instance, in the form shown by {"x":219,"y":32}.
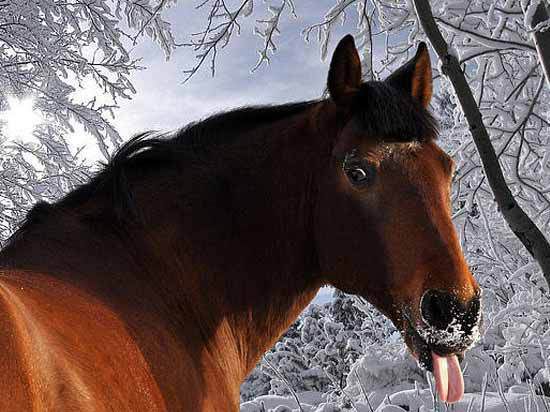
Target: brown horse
{"x":158,"y":285}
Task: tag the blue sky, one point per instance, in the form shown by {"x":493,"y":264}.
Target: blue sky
{"x":163,"y":102}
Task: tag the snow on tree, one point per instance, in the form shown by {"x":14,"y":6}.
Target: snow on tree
{"x":50,"y":50}
{"x":506,"y":124}
{"x":316,"y":353}
{"x":537,"y":20}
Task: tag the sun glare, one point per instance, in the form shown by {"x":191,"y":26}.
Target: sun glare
{"x":21,"y":118}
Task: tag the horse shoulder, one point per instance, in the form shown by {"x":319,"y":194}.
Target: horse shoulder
{"x":64,"y":350}
{"x":14,"y":385}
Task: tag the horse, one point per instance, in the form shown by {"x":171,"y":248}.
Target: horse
{"x":159,"y":284}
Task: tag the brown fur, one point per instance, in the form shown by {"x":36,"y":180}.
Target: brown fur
{"x":169,"y":307}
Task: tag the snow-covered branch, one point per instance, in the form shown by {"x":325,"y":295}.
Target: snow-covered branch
{"x":49,"y":51}
{"x":520,"y":223}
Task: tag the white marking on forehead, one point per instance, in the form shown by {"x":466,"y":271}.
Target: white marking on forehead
{"x":402,"y":156}
{"x":395,"y":149}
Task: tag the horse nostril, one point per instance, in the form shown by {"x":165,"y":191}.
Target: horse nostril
{"x":439,"y":309}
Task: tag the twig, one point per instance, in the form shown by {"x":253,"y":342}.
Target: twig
{"x":516,"y":218}
{"x":286,"y":382}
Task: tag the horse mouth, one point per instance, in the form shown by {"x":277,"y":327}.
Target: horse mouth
{"x":441,"y":352}
{"x":428,"y":342}
{"x":423,"y":351}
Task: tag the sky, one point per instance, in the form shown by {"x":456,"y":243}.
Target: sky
{"x":163,"y":102}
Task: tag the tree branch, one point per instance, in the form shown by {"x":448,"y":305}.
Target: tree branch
{"x":518,"y":221}
{"x":541,"y":37}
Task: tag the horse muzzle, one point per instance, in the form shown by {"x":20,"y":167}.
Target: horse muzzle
{"x":446,"y":329}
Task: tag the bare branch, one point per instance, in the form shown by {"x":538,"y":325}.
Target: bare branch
{"x":524,"y":228}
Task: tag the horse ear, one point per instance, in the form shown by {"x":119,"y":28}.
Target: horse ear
{"x":344,"y":76}
{"x":415,"y":76}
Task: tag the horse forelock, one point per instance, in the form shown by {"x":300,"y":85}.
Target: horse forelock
{"x":388,"y":114}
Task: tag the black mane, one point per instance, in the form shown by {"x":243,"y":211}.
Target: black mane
{"x":388,"y":114}
{"x":383,"y":112}
{"x":151,"y":148}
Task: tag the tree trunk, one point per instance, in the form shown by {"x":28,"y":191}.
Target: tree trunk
{"x":542,"y":38}
{"x":524,"y":228}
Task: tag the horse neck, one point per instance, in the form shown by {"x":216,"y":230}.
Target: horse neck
{"x":270,"y":272}
{"x":237,"y":283}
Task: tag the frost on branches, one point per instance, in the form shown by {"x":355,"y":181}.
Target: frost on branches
{"x":343,"y":355}
{"x":49,"y":49}
{"x":317,"y":352}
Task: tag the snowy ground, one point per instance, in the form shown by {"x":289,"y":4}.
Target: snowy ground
{"x":517,"y":399}
{"x":340,"y":350}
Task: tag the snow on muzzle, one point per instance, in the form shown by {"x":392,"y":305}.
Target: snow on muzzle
{"x":448,"y":328}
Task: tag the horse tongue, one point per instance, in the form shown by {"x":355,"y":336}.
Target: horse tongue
{"x":448,"y":377}
{"x":441,"y":374}
{"x":456,"y":380}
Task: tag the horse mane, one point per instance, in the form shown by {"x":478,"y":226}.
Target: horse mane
{"x":381,"y":110}
{"x":388,"y":114}
{"x":153,"y":149}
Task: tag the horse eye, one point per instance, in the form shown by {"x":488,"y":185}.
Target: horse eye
{"x":360,"y":171}
{"x":358,"y":176}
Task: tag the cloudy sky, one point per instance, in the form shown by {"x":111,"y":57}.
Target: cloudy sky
{"x":163,"y":102}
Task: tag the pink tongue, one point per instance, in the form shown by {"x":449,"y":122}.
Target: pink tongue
{"x":448,"y":378}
